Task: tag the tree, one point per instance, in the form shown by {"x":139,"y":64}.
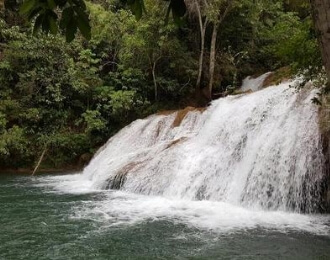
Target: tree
{"x":154,"y":47}
{"x":208,"y":12}
{"x":197,"y":8}
{"x":321,"y":15}
{"x":217,"y":11}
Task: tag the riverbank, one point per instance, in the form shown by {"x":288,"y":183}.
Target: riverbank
{"x":29,"y":171}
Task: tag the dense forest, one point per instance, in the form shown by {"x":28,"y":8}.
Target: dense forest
{"x":66,"y":98}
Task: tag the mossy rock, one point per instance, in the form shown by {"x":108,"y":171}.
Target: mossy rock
{"x":277,"y":77}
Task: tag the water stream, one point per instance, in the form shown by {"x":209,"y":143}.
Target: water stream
{"x":261,"y":151}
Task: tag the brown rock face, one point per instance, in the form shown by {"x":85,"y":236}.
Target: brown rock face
{"x":120,"y":177}
{"x":84,"y":159}
{"x":175,"y":142}
{"x":324,"y":121}
{"x":181,"y":114}
{"x":325,"y":204}
{"x":277,"y":77}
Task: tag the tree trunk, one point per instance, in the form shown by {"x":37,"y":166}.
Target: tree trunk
{"x":202,"y":28}
{"x":154,"y":79}
{"x":40,"y":160}
{"x":216,"y":24}
{"x":321,"y":15}
{"x":212,"y":60}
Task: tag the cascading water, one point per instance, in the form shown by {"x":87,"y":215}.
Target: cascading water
{"x":260,"y":150}
{"x":254,"y":84}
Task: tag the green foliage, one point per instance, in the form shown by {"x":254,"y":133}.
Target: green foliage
{"x":299,"y":47}
{"x":74,"y":15}
{"x":44,"y":14}
{"x":3,"y":123}
{"x":14,"y":146}
{"x":94,"y":121}
{"x":71,"y":97}
{"x":45,"y":86}
{"x":122,"y":102}
{"x":265,"y":35}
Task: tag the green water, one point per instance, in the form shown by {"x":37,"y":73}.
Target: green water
{"x":39,"y":221}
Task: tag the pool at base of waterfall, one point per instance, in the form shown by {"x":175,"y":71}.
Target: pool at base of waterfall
{"x":61,"y":217}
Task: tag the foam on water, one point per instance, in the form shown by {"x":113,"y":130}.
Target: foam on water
{"x":69,"y":183}
{"x":214,"y":216}
{"x":118,"y":209}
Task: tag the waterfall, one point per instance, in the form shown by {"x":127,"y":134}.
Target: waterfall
{"x":261,"y":150}
{"x":254,"y":84}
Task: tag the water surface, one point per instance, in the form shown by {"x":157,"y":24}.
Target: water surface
{"x":57,"y":217}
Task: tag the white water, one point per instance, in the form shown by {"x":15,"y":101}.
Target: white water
{"x":260,"y":150}
{"x":120,"y":209}
{"x":245,"y":162}
{"x":254,"y":84}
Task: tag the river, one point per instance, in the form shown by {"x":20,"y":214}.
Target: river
{"x":57,"y":217}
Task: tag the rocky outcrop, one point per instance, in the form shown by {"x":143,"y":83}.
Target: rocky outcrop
{"x":277,"y":77}
{"x":325,"y":206}
{"x":181,"y":114}
{"x":119,"y":178}
{"x":175,"y":142}
{"x":325,"y":133}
